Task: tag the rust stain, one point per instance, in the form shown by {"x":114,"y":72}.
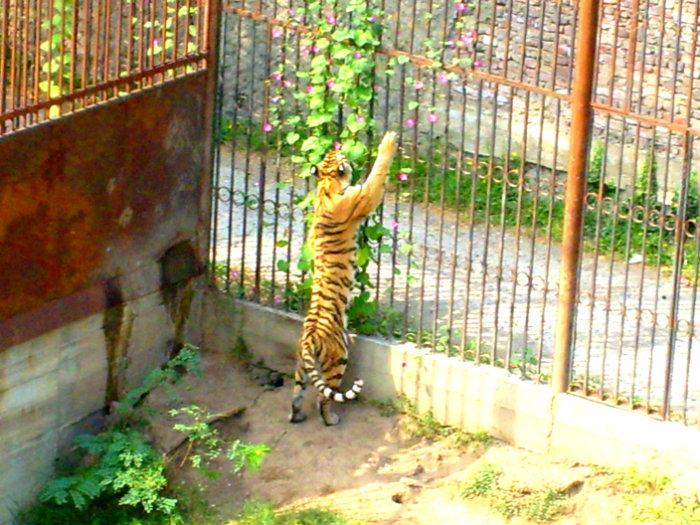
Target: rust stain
{"x":94,"y":196}
{"x":49,"y":234}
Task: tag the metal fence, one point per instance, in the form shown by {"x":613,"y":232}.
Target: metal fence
{"x":587,"y":280}
{"x":58,"y":56}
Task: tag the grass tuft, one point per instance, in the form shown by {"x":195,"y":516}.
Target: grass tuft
{"x":256,"y":512}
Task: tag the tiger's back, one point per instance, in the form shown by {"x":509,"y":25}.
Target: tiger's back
{"x":339,"y":210}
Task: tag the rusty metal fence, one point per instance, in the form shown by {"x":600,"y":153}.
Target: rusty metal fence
{"x":546,"y":188}
{"x":58,"y":56}
{"x":105,"y":135}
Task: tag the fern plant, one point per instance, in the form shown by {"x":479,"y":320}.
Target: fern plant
{"x":121,"y":467}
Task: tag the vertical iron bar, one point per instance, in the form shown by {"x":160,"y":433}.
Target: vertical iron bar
{"x":213,"y":14}
{"x":575,"y":191}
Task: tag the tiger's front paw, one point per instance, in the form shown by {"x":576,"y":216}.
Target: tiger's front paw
{"x":389,"y":144}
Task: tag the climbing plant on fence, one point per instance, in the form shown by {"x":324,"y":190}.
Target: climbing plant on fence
{"x":332,"y":101}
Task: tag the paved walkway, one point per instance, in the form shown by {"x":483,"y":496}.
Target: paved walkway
{"x":511,"y":309}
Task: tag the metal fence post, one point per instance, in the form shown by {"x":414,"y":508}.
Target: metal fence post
{"x":581,"y":116}
{"x":211,"y":35}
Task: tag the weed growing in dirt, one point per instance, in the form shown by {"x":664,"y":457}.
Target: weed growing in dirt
{"x":387,"y":407}
{"x":648,"y":497}
{"x":241,"y":352}
{"x":121,"y":477}
{"x":673,"y":509}
{"x":425,"y":425}
{"x":261,"y":513}
{"x":636,"y":481}
{"x":541,"y":505}
{"x":482,"y":482}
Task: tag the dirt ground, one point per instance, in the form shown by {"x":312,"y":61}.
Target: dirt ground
{"x":370,"y":468}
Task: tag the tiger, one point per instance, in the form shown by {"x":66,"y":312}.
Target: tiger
{"x":339,"y":209}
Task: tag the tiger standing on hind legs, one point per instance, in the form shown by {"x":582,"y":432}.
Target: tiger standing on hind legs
{"x":339,"y":210}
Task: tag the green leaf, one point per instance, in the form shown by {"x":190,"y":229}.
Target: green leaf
{"x":354,"y":150}
{"x":402,"y":59}
{"x":316,"y":120}
{"x":307,"y":201}
{"x":413,"y":105}
{"x":281,"y":243}
{"x":355,"y":125}
{"x":363,"y":255}
{"x":341,"y":53}
{"x":292,"y":137}
{"x":282,"y":265}
{"x":406,"y":248}
{"x":309,"y":144}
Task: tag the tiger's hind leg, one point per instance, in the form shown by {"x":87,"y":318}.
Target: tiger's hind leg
{"x":300,"y":380}
{"x":332,"y":377}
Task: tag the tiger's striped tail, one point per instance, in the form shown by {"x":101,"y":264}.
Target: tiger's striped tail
{"x":331,"y":393}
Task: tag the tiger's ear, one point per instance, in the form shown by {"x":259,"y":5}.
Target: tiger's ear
{"x":341,"y":169}
{"x":314,"y":170}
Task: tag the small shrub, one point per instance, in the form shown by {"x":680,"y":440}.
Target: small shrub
{"x":122,"y":478}
{"x":636,"y":481}
{"x":482,"y":482}
{"x":542,"y":505}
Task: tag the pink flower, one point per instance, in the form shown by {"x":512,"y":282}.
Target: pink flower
{"x":291,"y":12}
{"x":337,"y":145}
{"x":418,"y":84}
{"x":450,"y":43}
{"x":393,"y":224}
{"x":276,"y":77}
{"x":315,"y":49}
{"x":277,"y":32}
{"x":465,"y":39}
{"x":156,"y":42}
{"x":331,"y":19}
{"x":278,"y":299}
{"x":432,"y":118}
{"x":442,"y":78}
{"x":234,"y":274}
{"x":357,"y":55}
{"x":360,"y":119}
{"x":305,"y":52}
{"x":472,"y":34}
{"x":267,"y":127}
{"x":478,"y":63}
{"x":330,"y":84}
{"x":410,"y":122}
{"x":403,"y":177}
{"x":372,"y":18}
{"x":287,"y":83}
{"x":275,"y":100}
{"x":461,"y":7}
{"x":309,"y":89}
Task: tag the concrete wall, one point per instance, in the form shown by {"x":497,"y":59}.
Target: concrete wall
{"x":57,"y":383}
{"x":475,"y":398}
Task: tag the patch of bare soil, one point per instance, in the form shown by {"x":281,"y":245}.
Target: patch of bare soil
{"x":369,"y":470}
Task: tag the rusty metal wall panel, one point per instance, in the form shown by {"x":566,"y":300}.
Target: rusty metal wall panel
{"x":96,"y":195}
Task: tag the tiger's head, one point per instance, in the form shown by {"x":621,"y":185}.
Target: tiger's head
{"x":333,"y":172}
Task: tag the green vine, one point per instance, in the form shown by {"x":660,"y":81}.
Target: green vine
{"x":332,"y":100}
